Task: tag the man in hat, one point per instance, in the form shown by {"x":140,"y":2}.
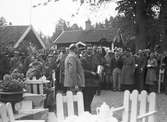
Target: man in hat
{"x":108,"y":74}
{"x":140,"y":69}
{"x":117,"y":64}
{"x":91,"y":78}
{"x":74,"y":74}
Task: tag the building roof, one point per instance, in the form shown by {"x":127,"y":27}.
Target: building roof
{"x":84,"y":36}
{"x":14,"y":35}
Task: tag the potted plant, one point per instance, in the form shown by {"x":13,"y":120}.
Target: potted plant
{"x":12,"y":88}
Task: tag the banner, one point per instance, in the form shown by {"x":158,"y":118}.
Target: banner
{"x":43,"y":3}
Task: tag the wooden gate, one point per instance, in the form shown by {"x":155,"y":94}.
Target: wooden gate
{"x":138,"y":107}
{"x":69,"y":99}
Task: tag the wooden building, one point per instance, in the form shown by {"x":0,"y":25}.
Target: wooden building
{"x":20,"y":36}
{"x":102,"y":37}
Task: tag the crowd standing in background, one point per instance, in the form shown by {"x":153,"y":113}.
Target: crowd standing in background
{"x":119,"y":69}
{"x":92,"y":69}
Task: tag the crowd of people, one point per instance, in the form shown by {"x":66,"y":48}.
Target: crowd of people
{"x":120,"y":69}
{"x":93,"y":68}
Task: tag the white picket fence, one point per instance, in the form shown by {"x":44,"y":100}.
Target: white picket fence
{"x":36,"y":86}
{"x":69,"y":100}
{"x":6,"y":114}
{"x":138,"y":107}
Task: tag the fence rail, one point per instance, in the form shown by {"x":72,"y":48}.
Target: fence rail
{"x":138,"y":107}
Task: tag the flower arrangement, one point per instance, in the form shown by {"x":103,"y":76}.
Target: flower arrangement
{"x":12,"y":83}
{"x":18,"y":76}
{"x":12,"y":88}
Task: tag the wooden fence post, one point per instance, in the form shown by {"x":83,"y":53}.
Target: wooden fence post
{"x":134,"y":100}
{"x":80,"y":103}
{"x":3,"y":113}
{"x":10,"y":112}
{"x":143,"y":103}
{"x":152,"y":106}
{"x":70,"y":103}
{"x":125,"y":117}
{"x":59,"y":107}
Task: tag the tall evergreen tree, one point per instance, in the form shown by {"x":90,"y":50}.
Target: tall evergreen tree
{"x":141,"y":15}
{"x":163,"y":23}
{"x":3,"y":21}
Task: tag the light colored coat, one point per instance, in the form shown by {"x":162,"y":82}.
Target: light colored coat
{"x":74,"y":73}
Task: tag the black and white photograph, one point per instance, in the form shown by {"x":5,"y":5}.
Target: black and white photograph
{"x":83,"y":60}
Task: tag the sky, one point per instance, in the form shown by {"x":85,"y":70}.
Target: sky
{"x":45,"y":17}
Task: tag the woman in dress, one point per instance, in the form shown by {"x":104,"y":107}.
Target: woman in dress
{"x":151,"y":76}
{"x":128,"y":70}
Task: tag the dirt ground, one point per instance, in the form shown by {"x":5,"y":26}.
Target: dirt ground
{"x":116,"y":98}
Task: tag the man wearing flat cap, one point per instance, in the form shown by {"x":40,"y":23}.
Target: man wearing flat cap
{"x":74,"y":74}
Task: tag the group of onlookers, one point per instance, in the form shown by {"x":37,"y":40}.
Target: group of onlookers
{"x":120,"y":70}
{"x":91,"y":69}
{"x":116,"y":70}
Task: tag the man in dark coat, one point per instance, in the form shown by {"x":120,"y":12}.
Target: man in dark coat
{"x":91,"y":79}
{"x":140,"y":67}
{"x":117,"y":63}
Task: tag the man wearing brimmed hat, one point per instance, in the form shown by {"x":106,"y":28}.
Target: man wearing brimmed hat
{"x":74,"y":74}
{"x":108,"y":74}
{"x":117,"y":64}
{"x":91,"y":78}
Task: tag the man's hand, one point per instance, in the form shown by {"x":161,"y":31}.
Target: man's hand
{"x":76,"y":87}
{"x":93,"y":73}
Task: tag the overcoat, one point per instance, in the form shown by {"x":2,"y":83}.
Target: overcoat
{"x":91,"y":77}
{"x":74,"y":73}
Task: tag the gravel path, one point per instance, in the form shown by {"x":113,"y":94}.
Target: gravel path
{"x":116,"y":98}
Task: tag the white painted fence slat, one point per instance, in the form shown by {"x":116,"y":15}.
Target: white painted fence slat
{"x":35,"y":86}
{"x":70,"y":103}
{"x":3,"y":113}
{"x":134,"y":100}
{"x":138,"y":107}
{"x":10,"y":112}
{"x":52,"y":117}
{"x":71,"y":100}
{"x":143,"y":103}
{"x":125,"y":116}
{"x":152,"y":106}
{"x":40,"y":88}
{"x":80,"y":102}
{"x":59,"y":106}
